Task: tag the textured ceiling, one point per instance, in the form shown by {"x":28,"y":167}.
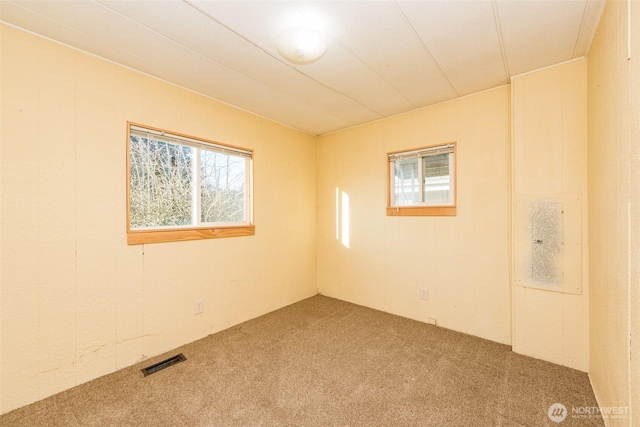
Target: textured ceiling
{"x":383,"y":58}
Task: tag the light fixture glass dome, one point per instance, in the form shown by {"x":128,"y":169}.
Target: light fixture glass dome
{"x":302,"y":45}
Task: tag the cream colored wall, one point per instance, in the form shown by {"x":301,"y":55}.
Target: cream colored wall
{"x":614,"y":211}
{"x":76,"y":301}
{"x":549,"y":146}
{"x":461,"y":260}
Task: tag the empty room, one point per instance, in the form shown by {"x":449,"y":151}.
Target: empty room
{"x":320,"y":213}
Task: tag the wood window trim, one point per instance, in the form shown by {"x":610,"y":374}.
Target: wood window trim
{"x":422,"y":211}
{"x":445,"y":210}
{"x":137,"y":237}
{"x":178,"y":234}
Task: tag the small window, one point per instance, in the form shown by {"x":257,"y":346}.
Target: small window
{"x":183,"y":188}
{"x":422,"y":181}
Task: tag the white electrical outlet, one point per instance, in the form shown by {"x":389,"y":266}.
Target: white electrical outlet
{"x":424,"y":293}
{"x":198,"y":307}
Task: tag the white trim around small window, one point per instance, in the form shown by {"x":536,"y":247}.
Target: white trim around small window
{"x":422,"y":181}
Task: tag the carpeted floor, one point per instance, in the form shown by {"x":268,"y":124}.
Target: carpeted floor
{"x":324,"y":362}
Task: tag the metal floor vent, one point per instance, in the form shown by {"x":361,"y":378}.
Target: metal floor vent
{"x":164,"y":364}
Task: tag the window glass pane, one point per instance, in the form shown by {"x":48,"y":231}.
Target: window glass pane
{"x":437,"y":183}
{"x":406,"y":182}
{"x":222,"y":187}
{"x":160,"y":183}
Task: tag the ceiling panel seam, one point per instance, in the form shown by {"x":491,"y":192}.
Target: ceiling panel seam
{"x":447,"y":101}
{"x":585,"y":13}
{"x":496,"y":18}
{"x":144,"y":73}
{"x":74,"y":30}
{"x":302,"y":100}
{"x":117,"y":48}
{"x":381,"y":62}
{"x":360,"y":60}
{"x":424,"y":46}
{"x":213,"y":18}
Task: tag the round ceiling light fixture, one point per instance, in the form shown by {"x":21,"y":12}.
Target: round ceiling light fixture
{"x":301,"y":46}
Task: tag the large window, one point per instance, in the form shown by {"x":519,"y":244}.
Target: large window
{"x":422,"y":181}
{"x":183,"y":188}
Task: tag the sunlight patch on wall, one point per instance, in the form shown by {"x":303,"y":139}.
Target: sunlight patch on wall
{"x":337,"y":213}
{"x":343,"y":218}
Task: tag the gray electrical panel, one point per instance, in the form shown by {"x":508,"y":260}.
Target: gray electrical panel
{"x":548,"y":242}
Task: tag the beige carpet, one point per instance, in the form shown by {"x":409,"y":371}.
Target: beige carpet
{"x":324,"y":362}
